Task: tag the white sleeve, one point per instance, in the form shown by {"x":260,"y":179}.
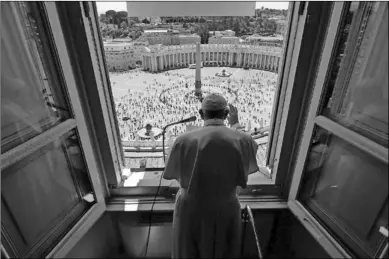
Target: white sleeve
{"x":173,"y":165}
{"x":238,"y":127}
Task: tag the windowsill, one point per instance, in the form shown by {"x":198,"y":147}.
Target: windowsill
{"x":148,"y":182}
{"x":141,"y":186}
{"x":144,"y":204}
{"x":152,"y":178}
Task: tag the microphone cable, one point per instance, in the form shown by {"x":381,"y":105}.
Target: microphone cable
{"x":159,"y":186}
{"x":151,"y":214}
{"x":155,"y":197}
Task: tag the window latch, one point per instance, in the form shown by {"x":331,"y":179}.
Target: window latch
{"x":384,"y":231}
{"x":90,"y":198}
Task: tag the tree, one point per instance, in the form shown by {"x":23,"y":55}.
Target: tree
{"x":134,"y":19}
{"x":145,"y":21}
{"x":121,"y":17}
{"x":203,"y":32}
{"x":103,"y":18}
{"x":270,"y":26}
{"x":110,"y":15}
{"x":123,"y":25}
{"x":131,"y":23}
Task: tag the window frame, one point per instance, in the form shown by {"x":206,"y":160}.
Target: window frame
{"x":288,"y":85}
{"x":270,"y":187}
{"x":85,"y":222}
{"x":332,"y":245}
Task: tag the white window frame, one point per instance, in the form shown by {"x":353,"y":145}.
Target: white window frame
{"x":91,"y":217}
{"x":284,"y":86}
{"x":314,"y":227}
{"x":79,"y":123}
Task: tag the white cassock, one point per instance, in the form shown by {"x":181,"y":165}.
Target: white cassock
{"x":209,"y":163}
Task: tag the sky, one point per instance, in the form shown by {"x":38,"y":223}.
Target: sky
{"x":102,"y":7}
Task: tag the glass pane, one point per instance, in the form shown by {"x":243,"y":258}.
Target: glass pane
{"x":347,"y":188}
{"x":42,"y":190}
{"x":360,"y":97}
{"x":31,"y":96}
{"x":152,"y":61}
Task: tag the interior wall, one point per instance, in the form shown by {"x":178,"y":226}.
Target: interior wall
{"x":291,"y":240}
{"x":125,"y":234}
{"x":101,"y":241}
{"x":134,"y":230}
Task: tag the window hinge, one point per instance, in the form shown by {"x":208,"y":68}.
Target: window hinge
{"x":86,"y":8}
{"x":301,"y":7}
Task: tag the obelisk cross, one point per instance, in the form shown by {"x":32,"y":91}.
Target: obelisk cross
{"x":198,"y":71}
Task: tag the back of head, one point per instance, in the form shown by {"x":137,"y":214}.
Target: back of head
{"x":214,"y":106}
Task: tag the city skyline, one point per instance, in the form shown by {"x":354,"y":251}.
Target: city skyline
{"x":102,"y":7}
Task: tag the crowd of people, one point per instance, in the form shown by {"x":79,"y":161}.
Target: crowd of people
{"x":165,"y":102}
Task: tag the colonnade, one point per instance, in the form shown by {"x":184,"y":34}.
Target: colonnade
{"x":245,"y":57}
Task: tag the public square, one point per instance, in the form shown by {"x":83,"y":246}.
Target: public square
{"x":166,"y":97}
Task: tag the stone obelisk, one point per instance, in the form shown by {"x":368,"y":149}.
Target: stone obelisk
{"x":198,"y":71}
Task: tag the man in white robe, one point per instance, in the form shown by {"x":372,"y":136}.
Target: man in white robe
{"x":210,"y":163}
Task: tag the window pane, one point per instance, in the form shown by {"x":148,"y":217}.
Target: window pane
{"x":31,"y":96}
{"x":347,"y":189}
{"x":40,"y":191}
{"x":360,"y":97}
{"x":152,"y":61}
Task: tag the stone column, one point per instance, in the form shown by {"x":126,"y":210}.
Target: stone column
{"x":152,"y":63}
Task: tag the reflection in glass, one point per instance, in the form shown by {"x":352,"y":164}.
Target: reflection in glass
{"x":360,"y":97}
{"x":31,"y":99}
{"x":348,"y":186}
{"x":41,"y":190}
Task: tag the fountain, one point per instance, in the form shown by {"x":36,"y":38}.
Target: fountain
{"x":149,"y":132}
{"x":223,"y":73}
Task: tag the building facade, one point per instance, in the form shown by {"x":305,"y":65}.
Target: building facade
{"x":223,"y":40}
{"x":189,"y":39}
{"x":227,"y":33}
{"x":123,"y":56}
{"x":164,"y":37}
{"x":257,"y":57}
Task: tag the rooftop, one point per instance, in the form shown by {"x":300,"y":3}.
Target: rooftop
{"x":155,"y":31}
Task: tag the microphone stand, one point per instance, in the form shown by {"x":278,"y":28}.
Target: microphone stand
{"x":163,"y":139}
{"x":164,"y":131}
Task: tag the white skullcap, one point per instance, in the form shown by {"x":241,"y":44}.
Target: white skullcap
{"x":214,"y":102}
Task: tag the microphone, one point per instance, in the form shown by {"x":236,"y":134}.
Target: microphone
{"x":193,"y":118}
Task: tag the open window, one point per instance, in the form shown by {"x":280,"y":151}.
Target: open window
{"x":50,"y":187}
{"x":133,"y":167}
{"x":340,"y":182}
{"x":259,"y":68}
